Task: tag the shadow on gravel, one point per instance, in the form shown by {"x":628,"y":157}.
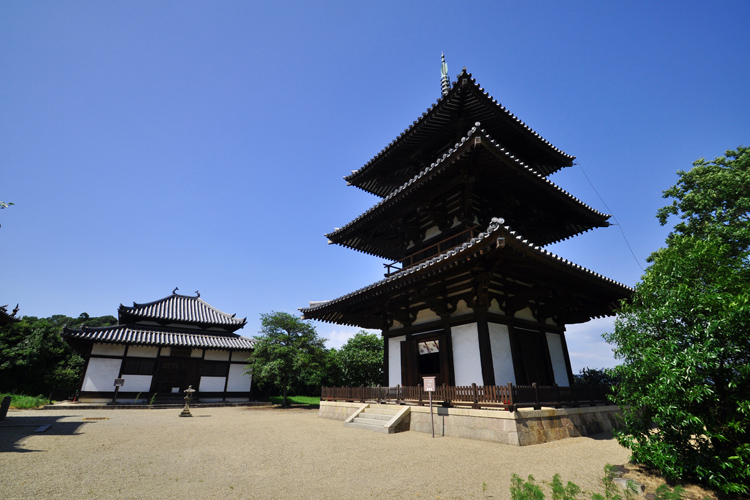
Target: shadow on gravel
{"x":279,"y":407}
{"x":13,"y":430}
{"x":601,"y":436}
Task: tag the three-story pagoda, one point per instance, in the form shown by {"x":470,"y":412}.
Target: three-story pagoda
{"x":470,"y":294}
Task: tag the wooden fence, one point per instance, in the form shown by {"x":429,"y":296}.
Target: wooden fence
{"x":508,"y":397}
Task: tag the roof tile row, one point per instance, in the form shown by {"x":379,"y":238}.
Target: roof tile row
{"x":122,"y":334}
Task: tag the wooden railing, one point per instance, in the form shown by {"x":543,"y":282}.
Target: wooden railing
{"x":508,"y":397}
{"x":431,"y":251}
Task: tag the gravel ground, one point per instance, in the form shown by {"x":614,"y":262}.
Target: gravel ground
{"x":249,"y":453}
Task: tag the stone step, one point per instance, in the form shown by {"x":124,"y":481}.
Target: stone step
{"x":360,"y":425}
{"x":384,"y":409}
{"x":365,"y":419}
{"x":376,"y":416}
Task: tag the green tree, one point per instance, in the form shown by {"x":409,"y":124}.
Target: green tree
{"x":360,"y":360}
{"x":595,"y":376}
{"x":287,"y":354}
{"x":34,"y":359}
{"x":684,"y":338}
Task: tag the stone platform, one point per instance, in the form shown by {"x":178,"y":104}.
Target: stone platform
{"x":519,"y":428}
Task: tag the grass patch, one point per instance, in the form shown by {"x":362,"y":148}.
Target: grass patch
{"x":297,"y":400}
{"x":23,"y":402}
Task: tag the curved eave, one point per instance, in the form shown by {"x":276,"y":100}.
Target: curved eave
{"x":121,"y":334}
{"x":181,"y":309}
{"x":432,"y":120}
{"x":331,"y":311}
{"x":346,"y":235}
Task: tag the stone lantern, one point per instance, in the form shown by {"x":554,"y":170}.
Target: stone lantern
{"x":188,"y":396}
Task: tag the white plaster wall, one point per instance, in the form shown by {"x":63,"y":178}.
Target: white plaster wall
{"x":431,"y":233}
{"x":502,"y":359}
{"x":142,"y":351}
{"x":425,"y":316}
{"x":216,"y":355}
{"x":166,"y":351}
{"x":554,"y":342}
{"x":525,"y":314}
{"x":495,"y":307}
{"x":466,"y":363}
{"x":461,"y":308}
{"x":240,"y":356}
{"x":101,"y":374}
{"x":395,"y":326}
{"x":212,"y":384}
{"x":238,"y":380}
{"x":108,"y":349}
{"x":196,"y":353}
{"x":136,"y":383}
{"x":394,"y":361}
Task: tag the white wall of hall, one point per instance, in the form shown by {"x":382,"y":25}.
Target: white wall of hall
{"x":502,"y":358}
{"x":239,"y":381}
{"x":108,"y":349}
{"x":212,"y":355}
{"x":467,"y":365}
{"x":212,"y":384}
{"x":557,"y":356}
{"x":143,"y":351}
{"x":101,"y":374}
{"x":394,"y":360}
{"x":136,"y":383}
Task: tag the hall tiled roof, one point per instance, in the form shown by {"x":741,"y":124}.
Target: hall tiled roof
{"x":593,"y":217}
{"x":123,"y":334}
{"x":181,"y":309}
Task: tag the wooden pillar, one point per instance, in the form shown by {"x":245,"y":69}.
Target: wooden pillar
{"x":567,"y":358}
{"x":515,"y":352}
{"x":485,"y":350}
{"x":447,"y":367}
{"x":385,"y":360}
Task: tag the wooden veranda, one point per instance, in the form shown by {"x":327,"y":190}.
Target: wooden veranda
{"x":507,"y":397}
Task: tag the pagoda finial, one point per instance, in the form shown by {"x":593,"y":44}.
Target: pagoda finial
{"x":445,"y":82}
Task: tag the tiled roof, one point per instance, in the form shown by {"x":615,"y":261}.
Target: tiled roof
{"x":496,"y":229}
{"x":122,"y":334}
{"x":479,"y":106}
{"x":181,"y":309}
{"x":448,"y":159}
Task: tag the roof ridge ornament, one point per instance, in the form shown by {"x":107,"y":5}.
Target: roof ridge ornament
{"x":174,"y":292}
{"x":445,"y":82}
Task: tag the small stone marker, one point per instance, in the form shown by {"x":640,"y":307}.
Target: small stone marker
{"x":41,"y":428}
{"x":630,"y":485}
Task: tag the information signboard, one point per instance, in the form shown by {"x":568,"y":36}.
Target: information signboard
{"x":429,"y":384}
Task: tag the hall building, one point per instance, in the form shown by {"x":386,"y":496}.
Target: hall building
{"x":162,"y":347}
{"x":470,"y":294}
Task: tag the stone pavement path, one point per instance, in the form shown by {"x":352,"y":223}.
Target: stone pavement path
{"x":249,"y":453}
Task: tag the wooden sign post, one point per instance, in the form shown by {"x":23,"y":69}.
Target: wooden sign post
{"x":119,"y":382}
{"x":429,"y":387}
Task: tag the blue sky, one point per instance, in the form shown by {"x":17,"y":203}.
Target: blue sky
{"x":202,"y":145}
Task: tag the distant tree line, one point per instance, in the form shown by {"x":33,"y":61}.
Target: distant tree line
{"x":35,"y":360}
{"x":290,"y":358}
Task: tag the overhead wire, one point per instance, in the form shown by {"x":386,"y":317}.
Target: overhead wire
{"x":627,"y":243}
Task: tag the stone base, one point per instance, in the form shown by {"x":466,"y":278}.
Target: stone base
{"x":520,"y":428}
